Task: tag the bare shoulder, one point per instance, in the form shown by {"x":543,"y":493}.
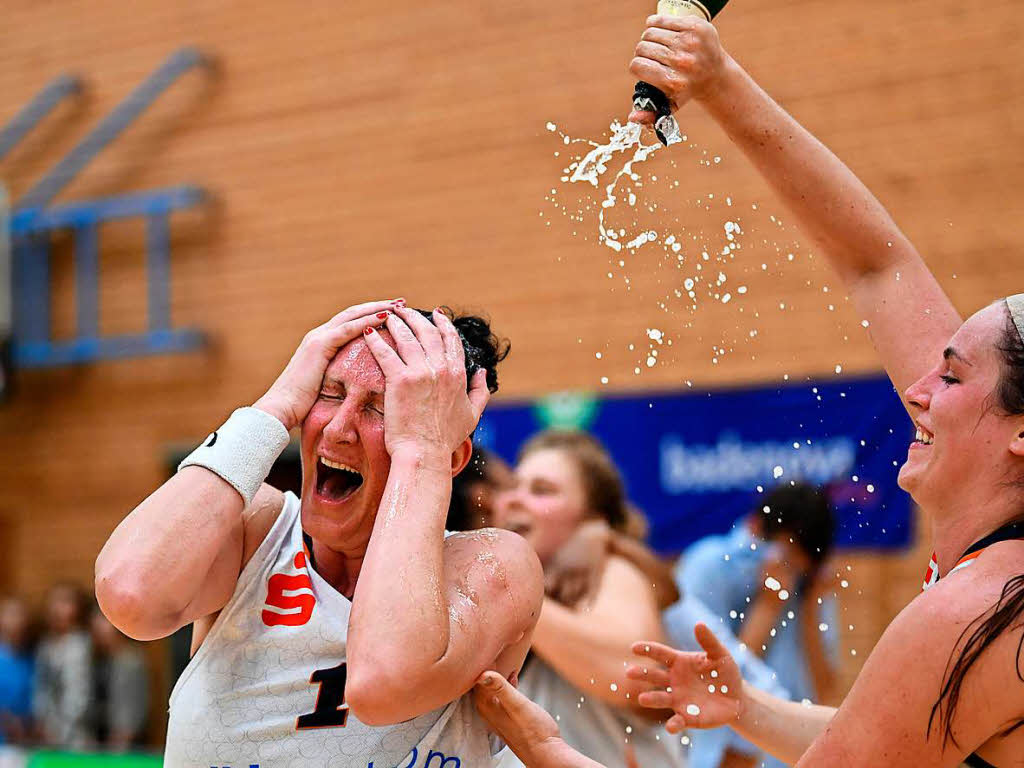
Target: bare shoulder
{"x":998,"y":562}
{"x":626,"y":596}
{"x":625,"y":577}
{"x":943,"y":613}
{"x":898,"y":690}
{"x":259,"y":517}
{"x":995,"y":640}
{"x":498,"y":564}
{"x":992,"y":588}
{"x":964,"y":595}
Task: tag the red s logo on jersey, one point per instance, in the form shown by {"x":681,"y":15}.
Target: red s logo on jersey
{"x":290,"y":610}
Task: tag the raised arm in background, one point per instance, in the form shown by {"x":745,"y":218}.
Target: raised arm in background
{"x":820,"y":660}
{"x":766,"y":612}
{"x":590,"y":646}
{"x":576,"y":570}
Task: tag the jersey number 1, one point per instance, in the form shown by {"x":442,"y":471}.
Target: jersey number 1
{"x":330,"y":711}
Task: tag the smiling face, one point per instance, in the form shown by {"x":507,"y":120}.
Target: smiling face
{"x":963,"y":444}
{"x":546,"y":503}
{"x":345,"y":463}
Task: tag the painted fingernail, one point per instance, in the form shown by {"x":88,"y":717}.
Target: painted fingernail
{"x":382,"y":315}
{"x":399,"y":302}
{"x":368,"y":330}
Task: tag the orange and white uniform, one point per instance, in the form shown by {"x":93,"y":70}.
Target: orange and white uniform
{"x":267,"y":686}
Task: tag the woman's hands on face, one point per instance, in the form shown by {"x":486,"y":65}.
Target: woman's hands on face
{"x":703,"y":688}
{"x":680,"y":55}
{"x":427,"y":410}
{"x":292,"y":395}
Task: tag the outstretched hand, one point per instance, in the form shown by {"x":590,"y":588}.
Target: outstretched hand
{"x":293,"y":393}
{"x":426,"y":405}
{"x":528,"y":730}
{"x":703,"y":688}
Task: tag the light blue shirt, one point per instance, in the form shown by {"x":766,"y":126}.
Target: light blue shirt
{"x":724,"y":573}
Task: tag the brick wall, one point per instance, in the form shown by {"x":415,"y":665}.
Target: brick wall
{"x":357,"y":151}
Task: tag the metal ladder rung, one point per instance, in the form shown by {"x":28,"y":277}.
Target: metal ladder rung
{"x":36,"y":110}
{"x":111,"y":127}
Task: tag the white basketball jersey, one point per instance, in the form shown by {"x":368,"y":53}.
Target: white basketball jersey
{"x":266,"y":688}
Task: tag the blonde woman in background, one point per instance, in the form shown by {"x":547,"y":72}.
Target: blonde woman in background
{"x":565,"y":483}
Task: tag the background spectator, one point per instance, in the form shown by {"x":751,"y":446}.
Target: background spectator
{"x":473,"y":490}
{"x":576,"y":670}
{"x":15,"y":671}
{"x":63,"y":679}
{"x":720,"y":747}
{"x":768,"y":582}
{"x":121,"y":687}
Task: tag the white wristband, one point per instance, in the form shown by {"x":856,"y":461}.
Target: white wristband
{"x":242,"y":451}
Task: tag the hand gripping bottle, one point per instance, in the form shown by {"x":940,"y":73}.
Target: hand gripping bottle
{"x":646,"y":97}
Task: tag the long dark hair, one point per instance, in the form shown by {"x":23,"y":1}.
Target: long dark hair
{"x":1008,"y":612}
{"x":1004,"y":616}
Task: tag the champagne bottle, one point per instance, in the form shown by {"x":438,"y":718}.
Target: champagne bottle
{"x":646,"y":97}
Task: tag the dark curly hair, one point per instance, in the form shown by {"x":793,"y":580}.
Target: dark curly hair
{"x":483,"y":348}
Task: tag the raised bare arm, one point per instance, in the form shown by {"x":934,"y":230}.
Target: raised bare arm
{"x":910,"y":319}
{"x":590,"y":646}
{"x":429,"y":616}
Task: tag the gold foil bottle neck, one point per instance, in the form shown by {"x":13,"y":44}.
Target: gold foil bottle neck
{"x":683,"y":8}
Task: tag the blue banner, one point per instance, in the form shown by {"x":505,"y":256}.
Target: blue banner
{"x":693,"y":461}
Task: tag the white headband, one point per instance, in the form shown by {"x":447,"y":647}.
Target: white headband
{"x":1015,"y":304}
